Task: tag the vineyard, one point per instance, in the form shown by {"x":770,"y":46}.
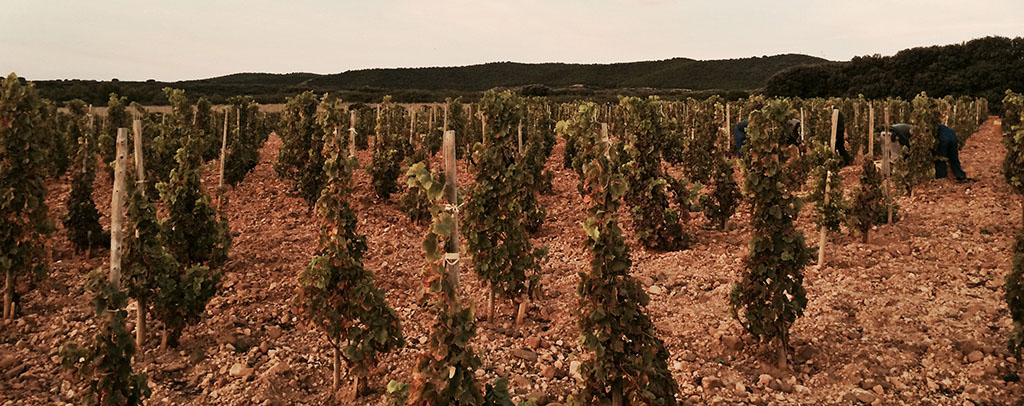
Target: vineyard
{"x":509,"y":251}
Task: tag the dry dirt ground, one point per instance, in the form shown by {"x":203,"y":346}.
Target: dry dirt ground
{"x":915,"y":316}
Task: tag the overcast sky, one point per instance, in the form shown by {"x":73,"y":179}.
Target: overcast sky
{"x":192,"y":39}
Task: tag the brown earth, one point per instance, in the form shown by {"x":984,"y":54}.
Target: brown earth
{"x":916,"y":316}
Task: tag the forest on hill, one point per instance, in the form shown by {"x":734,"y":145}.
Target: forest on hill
{"x":984,"y":67}
{"x":678,"y":77}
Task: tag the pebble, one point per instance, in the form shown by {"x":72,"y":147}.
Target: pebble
{"x":278,"y":369}
{"x":740,"y":389}
{"x":712,"y":382}
{"x":975,"y":356}
{"x":864,"y":396}
{"x":524,"y":354}
{"x":548,"y":372}
{"x":8,"y":361}
{"x":274,"y":332}
{"x":732,"y":343}
{"x":240,"y":370}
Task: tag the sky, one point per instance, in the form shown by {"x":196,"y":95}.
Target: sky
{"x":195,"y":39}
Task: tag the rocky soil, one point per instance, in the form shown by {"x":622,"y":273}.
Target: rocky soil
{"x":915,"y":316}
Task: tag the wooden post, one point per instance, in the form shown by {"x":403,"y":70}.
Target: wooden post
{"x":451,"y":192}
{"x":728,"y":126}
{"x":871,"y":131}
{"x":430,"y":123}
{"x":524,"y":302}
{"x":822,"y":240}
{"x":802,"y":126}
{"x":519,"y":152}
{"x":887,"y":166}
{"x":223,"y":151}
{"x":856,"y":119}
{"x":351,"y":133}
{"x":412,"y":128}
{"x":445,"y":128}
{"x":604,"y":139}
{"x":140,"y":184}
{"x":140,"y":169}
{"x":117,"y":207}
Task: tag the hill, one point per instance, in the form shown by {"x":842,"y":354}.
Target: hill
{"x":983,"y":67}
{"x":423,"y":84}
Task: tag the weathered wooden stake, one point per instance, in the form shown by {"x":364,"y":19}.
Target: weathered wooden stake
{"x":140,"y":184}
{"x":728,"y":126}
{"x":430,"y":125}
{"x":412,"y":128}
{"x":351,"y":133}
{"x":887,"y":165}
{"x":519,"y":151}
{"x":802,"y":126}
{"x":452,"y":194}
{"x":117,"y":207}
{"x":871,"y":131}
{"x":223,"y":153}
{"x":524,"y":302}
{"x":823,"y":238}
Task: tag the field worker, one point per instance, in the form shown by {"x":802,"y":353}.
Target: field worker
{"x":841,"y":140}
{"x":947,"y":148}
{"x":739,"y":135}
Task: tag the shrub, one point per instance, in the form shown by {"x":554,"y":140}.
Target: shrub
{"x":301,"y":156}
{"x":917,"y":163}
{"x":723,"y":199}
{"x":337,"y":293}
{"x":246,"y":138}
{"x":82,"y":221}
{"x":627,"y":363}
{"x":445,"y":371}
{"x":1013,"y":170}
{"x":22,"y":191}
{"x":657,"y":225}
{"x":389,"y":149}
{"x":117,"y":117}
{"x":193,"y":233}
{"x":771,"y":295}
{"x":494,"y":219}
{"x":868,"y":201}
{"x":107,"y":360}
{"x":825,"y":164}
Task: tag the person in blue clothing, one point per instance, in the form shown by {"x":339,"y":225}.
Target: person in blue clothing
{"x":739,"y":135}
{"x":947,"y":148}
{"x":841,"y":140}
